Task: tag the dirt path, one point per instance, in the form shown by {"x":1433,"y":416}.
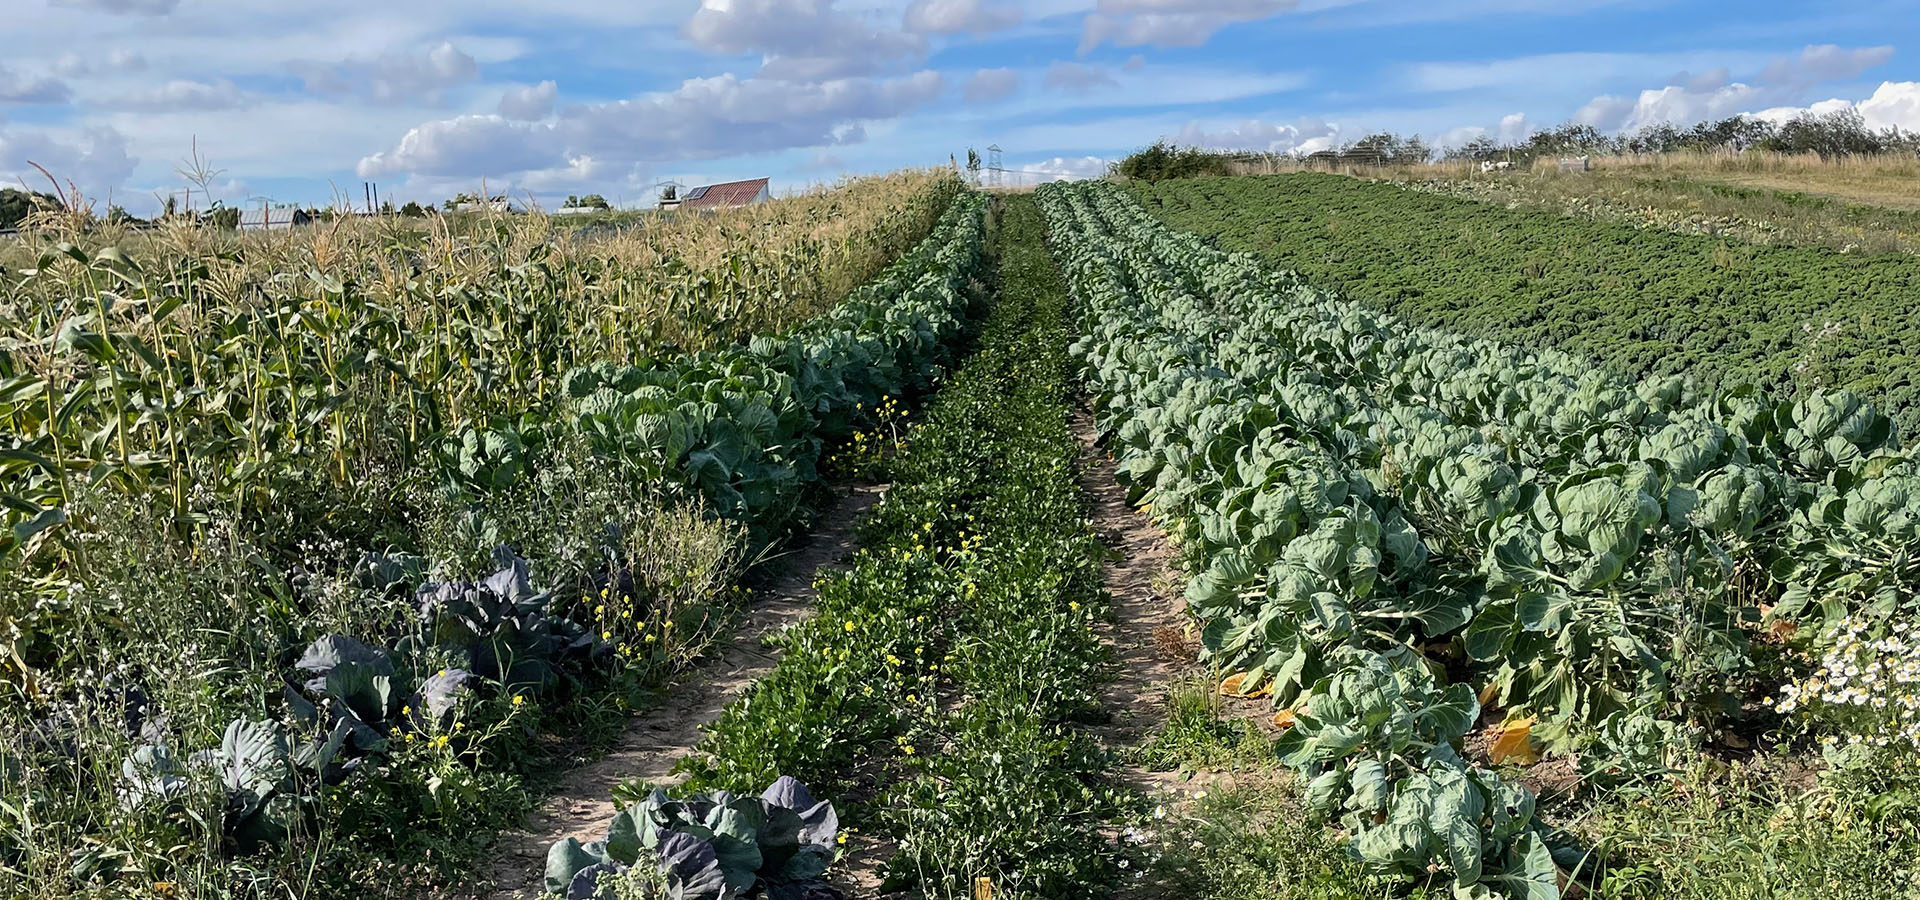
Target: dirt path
{"x":1147,"y":634}
{"x":658,"y":738}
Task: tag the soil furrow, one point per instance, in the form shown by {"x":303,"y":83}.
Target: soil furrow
{"x":658,"y":738}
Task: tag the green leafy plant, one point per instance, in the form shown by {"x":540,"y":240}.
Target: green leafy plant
{"x":709,"y":846}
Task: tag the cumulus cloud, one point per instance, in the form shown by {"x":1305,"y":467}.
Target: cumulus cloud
{"x":1075,"y":78}
{"x":23,"y":89}
{"x":183,"y":94}
{"x":1303,"y":135}
{"x":1065,"y":168}
{"x":123,"y":7}
{"x":96,"y":159}
{"x":989,"y":85}
{"x":959,"y":17}
{"x":528,"y":104}
{"x":1777,"y":93}
{"x":800,"y":40}
{"x":704,"y":118}
{"x":396,"y":77}
{"x":1514,"y":128}
{"x":1895,"y":104}
{"x":1170,"y":23}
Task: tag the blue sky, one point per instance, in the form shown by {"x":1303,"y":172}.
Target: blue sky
{"x":428,"y":97}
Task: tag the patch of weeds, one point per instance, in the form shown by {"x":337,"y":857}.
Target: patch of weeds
{"x":1201,"y":735}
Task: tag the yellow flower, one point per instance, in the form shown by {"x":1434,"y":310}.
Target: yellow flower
{"x":651,"y":637}
{"x":842,"y":838}
{"x":519,"y":700}
{"x":606,"y":635}
{"x":908,"y":749}
{"x":440,"y":741}
{"x":1074,"y":605}
{"x":406,"y":710}
{"x":849,"y":626}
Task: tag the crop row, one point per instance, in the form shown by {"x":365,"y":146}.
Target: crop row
{"x":1392,"y":523}
{"x":940,"y":676}
{"x":310,"y":375}
{"x":418,"y":682}
{"x":1642,"y":302}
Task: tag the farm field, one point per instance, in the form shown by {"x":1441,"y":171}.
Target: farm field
{"x":1692,"y":202}
{"x":1644,"y":302}
{"x":1175,"y":573}
{"x":352,"y":541}
{"x":1440,"y":558}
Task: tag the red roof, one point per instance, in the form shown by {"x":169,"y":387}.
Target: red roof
{"x":714,"y":196}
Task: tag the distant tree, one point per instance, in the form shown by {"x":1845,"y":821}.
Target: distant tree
{"x":592,"y":201}
{"x":15,"y":205}
{"x":413,"y":210}
{"x":386,"y":207}
{"x":1163,"y":160}
{"x":172,"y":207}
{"x":454,"y":202}
{"x":225,"y":218}
{"x":1831,"y":135}
{"x":1480,"y":149}
{"x":973,"y":165}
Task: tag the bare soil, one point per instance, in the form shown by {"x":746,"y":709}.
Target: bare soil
{"x":658,"y":738}
{"x":1148,"y":628}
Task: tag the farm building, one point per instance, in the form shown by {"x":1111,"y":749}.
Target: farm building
{"x":722,"y":196}
{"x":272,"y":219}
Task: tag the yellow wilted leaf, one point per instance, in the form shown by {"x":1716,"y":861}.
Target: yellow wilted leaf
{"x":1513,"y":743}
{"x":1783,"y":630}
{"x":1285,"y":718}
{"x":1489,"y":693}
{"x":1232,"y":687}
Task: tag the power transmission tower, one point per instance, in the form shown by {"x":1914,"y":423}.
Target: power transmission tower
{"x":993,"y":163}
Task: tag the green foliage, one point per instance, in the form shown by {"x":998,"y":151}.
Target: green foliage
{"x":708,"y":846}
{"x":956,"y":653}
{"x":1360,"y":493}
{"x":1642,"y":302}
{"x":1163,"y":160}
{"x":16,"y":205}
{"x":1255,"y":843}
{"x":414,"y":732}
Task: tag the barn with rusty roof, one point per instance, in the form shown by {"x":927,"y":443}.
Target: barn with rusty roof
{"x":722,"y":196}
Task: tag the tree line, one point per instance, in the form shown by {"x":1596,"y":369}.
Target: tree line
{"x":1831,"y":135}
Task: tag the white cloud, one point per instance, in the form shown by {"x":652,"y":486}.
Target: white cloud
{"x":184,"y":94}
{"x":123,"y":7}
{"x":95,"y":159}
{"x":1303,"y":135}
{"x":989,"y":85}
{"x":21,"y":88}
{"x":393,"y":77}
{"x":958,"y":17}
{"x":527,"y":104}
{"x":1895,"y":104}
{"x":802,"y":40}
{"x":1514,"y":128}
{"x":1063,"y":168}
{"x":704,"y":118}
{"x":1821,"y":63}
{"x":1170,"y":23}
{"x":1075,"y":78}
